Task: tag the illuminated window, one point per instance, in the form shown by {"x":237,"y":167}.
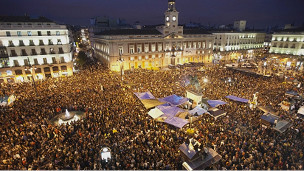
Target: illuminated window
{"x":19,"y":33}
{"x":57,"y":33}
{"x":29,"y":33}
{"x":120,"y":49}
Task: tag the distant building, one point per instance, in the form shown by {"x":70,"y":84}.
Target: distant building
{"x":169,"y":44}
{"x":40,"y":43}
{"x":240,"y":25}
{"x":235,"y":46}
{"x":99,"y":24}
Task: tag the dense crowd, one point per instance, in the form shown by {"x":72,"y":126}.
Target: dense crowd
{"x":115,"y":118}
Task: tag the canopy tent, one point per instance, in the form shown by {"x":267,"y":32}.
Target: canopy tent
{"x":282,"y":126}
{"x":269,"y":118}
{"x":174,"y":100}
{"x":237,"y":99}
{"x":145,"y":95}
{"x":155,"y":113}
{"x":150,"y":103}
{"x":198,"y":110}
{"x":177,"y":122}
{"x":301,"y":110}
{"x":268,"y":109}
{"x":169,"y":111}
{"x":215,"y":103}
{"x":215,"y":112}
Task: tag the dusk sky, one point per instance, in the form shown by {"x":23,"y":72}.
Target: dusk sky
{"x":258,"y":13}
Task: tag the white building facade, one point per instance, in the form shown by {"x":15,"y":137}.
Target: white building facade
{"x":288,"y":49}
{"x":233,"y":46}
{"x":35,"y":47}
{"x":154,"y":48}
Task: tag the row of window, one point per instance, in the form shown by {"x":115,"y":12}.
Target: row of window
{"x":33,"y":52}
{"x":26,"y":62}
{"x":29,"y":33}
{"x":31,"y":43}
{"x":281,"y":45}
{"x":235,"y":37}
{"x":290,"y":39}
{"x":233,"y":44}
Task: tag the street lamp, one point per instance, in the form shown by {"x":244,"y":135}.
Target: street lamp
{"x":30,"y":68}
{"x":121,"y":60}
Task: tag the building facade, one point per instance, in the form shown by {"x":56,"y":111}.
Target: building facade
{"x":287,"y":48}
{"x":236,"y":46}
{"x":155,"y":48}
{"x":33,"y":47}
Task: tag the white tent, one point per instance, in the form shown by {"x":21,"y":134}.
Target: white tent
{"x":155,"y":113}
{"x":301,"y":110}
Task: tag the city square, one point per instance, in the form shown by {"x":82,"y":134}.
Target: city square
{"x":168,"y":97}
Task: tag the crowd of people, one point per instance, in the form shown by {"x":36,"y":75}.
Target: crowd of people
{"x":115,"y":118}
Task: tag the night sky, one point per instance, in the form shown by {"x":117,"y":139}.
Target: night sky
{"x":258,"y":13}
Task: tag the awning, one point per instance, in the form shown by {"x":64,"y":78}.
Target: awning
{"x":237,"y":99}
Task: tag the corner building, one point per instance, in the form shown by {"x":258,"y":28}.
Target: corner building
{"x":165,"y":45}
{"x":33,"y":47}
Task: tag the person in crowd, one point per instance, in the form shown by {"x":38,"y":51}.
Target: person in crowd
{"x":115,"y":118}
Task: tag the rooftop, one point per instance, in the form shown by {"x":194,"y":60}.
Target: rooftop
{"x":130,"y":32}
{"x":23,"y":19}
{"x":196,"y":31}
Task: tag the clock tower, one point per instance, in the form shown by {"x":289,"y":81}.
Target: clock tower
{"x":171,"y":15}
{"x":171,"y":21}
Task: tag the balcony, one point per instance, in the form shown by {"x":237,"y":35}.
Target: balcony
{"x":41,"y":44}
{"x":34,"y":53}
{"x":32,"y":44}
{"x":61,"y":52}
{"x":43,"y":53}
{"x":11,"y":45}
{"x":52,"y":52}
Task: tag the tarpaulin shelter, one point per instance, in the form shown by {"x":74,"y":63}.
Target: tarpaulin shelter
{"x":268,"y":109}
{"x":155,"y":113}
{"x":282,"y":126}
{"x":235,"y":98}
{"x":269,"y":119}
{"x":145,"y":95}
{"x":198,"y":110}
{"x":215,"y":112}
{"x":176,"y":121}
{"x":150,"y":103}
{"x":169,"y":111}
{"x":215,"y":103}
{"x":301,"y":110}
{"x":174,"y":100}
{"x":291,"y":93}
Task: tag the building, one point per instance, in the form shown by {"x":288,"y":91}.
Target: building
{"x":288,"y":48}
{"x":240,"y":25}
{"x":37,"y":47}
{"x":162,"y":46}
{"x":236,"y":46}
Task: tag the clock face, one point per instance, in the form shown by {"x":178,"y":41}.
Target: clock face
{"x":174,"y":18}
{"x":167,"y":18}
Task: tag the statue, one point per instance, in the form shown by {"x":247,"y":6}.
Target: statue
{"x":194,"y":82}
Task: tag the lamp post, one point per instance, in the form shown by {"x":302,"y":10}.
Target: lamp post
{"x":31,"y":70}
{"x":121,"y":60}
